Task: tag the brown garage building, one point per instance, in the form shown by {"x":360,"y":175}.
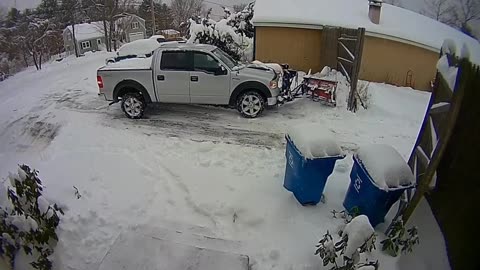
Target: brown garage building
{"x":400,"y":47}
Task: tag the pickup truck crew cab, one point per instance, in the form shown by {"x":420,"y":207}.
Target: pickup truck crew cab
{"x":188,"y":73}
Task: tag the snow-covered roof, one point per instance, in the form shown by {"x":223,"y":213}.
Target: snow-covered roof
{"x":395,"y":22}
{"x":86,"y":31}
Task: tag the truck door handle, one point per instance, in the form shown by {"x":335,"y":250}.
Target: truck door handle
{"x":194,"y":78}
{"x":161,"y":77}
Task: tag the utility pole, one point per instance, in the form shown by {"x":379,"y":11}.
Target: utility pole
{"x":153,"y":17}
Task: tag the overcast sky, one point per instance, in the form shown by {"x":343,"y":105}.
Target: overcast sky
{"x":415,"y":5}
{"x":22,"y":4}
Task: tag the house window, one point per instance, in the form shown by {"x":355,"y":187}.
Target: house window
{"x":85,"y":44}
{"x":135,"y":25}
{"x":99,"y":41}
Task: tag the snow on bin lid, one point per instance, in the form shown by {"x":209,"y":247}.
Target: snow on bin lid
{"x":314,"y":141}
{"x":385,"y":165}
{"x":359,"y":230}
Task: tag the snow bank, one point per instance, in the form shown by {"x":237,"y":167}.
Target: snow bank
{"x":132,"y":63}
{"x":395,"y":22}
{"x":385,"y":165}
{"x":314,"y":141}
{"x":359,"y":230}
{"x":138,"y":47}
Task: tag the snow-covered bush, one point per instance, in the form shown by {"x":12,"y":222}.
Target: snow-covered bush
{"x":400,"y":239}
{"x":28,"y":219}
{"x":357,"y":237}
{"x":347,"y":216}
{"x":363,"y":95}
{"x":233,"y":34}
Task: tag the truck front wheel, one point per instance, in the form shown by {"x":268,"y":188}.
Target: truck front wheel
{"x":250,"y":104}
{"x":133,"y":105}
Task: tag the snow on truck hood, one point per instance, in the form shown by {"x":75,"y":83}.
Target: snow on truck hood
{"x":256,"y":71}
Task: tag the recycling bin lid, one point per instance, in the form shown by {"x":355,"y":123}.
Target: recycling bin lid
{"x":314,"y":141}
{"x":385,"y":166}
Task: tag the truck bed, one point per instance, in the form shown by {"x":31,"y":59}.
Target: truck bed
{"x":131,"y":63}
{"x":137,"y":70}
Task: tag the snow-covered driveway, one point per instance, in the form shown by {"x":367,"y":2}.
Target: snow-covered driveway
{"x":203,"y":169}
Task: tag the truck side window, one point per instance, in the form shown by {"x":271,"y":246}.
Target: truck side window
{"x":176,"y":60}
{"x":204,"y":62}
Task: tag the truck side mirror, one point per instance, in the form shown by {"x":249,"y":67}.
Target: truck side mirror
{"x":220,"y":71}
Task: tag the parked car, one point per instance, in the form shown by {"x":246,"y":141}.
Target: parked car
{"x":137,"y":48}
{"x":188,"y":73}
{"x":158,"y":38}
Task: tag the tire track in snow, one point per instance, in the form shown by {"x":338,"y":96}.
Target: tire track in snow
{"x":204,"y":131}
{"x":188,"y":197}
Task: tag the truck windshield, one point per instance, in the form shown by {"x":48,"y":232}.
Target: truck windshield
{"x":227,"y":59}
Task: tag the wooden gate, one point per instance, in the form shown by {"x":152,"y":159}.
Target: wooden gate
{"x":445,"y":156}
{"x":349,"y":58}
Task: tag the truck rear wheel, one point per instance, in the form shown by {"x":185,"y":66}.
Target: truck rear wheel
{"x":133,"y":105}
{"x":250,"y":104}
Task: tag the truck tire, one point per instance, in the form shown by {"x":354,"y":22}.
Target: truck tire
{"x":250,"y":104}
{"x":133,"y":105}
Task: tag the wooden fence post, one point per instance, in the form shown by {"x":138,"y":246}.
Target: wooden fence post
{"x":352,"y":96}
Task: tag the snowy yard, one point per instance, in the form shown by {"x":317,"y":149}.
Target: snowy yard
{"x":198,"y":169}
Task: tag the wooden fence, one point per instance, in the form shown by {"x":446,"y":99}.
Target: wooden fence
{"x":444,"y":161}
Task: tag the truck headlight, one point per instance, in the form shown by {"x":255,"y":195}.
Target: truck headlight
{"x":273,"y":84}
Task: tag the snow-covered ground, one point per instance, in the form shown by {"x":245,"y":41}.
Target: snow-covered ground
{"x":199,"y":168}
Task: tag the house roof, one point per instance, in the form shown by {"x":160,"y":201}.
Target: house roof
{"x":395,"y":22}
{"x":129,"y":18}
{"x":86,"y":31}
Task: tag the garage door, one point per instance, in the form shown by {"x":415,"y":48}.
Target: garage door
{"x":136,"y":36}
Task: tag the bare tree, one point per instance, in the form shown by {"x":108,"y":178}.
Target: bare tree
{"x":106,"y":11}
{"x":36,"y":39}
{"x":71,"y":16}
{"x":440,"y":10}
{"x":466,"y":11}
{"x":3,"y":13}
{"x":183,"y":10}
{"x":122,"y":22}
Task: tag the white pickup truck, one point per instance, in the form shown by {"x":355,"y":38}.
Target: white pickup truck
{"x":188,"y":73}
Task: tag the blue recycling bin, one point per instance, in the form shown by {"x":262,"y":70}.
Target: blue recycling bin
{"x":306,"y":178}
{"x":364,"y":197}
